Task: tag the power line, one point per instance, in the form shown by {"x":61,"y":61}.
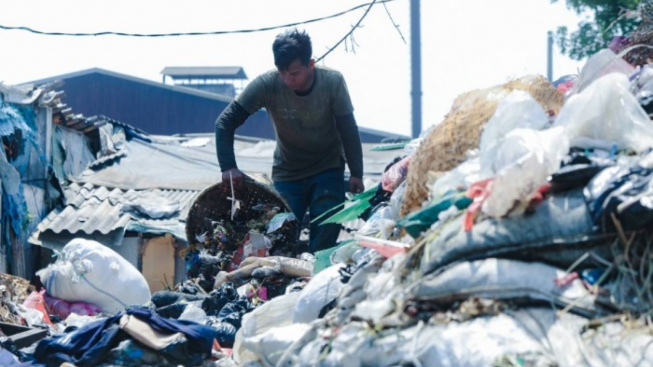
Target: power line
{"x":178,"y":34}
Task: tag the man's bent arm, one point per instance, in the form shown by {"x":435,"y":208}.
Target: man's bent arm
{"x":351,"y":142}
{"x":225,"y":127}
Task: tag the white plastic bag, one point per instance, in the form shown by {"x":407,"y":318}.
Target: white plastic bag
{"x":607,"y":111}
{"x":322,"y":289}
{"x":517,"y":110}
{"x":524,"y":161}
{"x":270,"y":315}
{"x":271,"y":345}
{"x":380,"y":224}
{"x":87,"y":271}
{"x":459,"y":178}
{"x":601,"y":63}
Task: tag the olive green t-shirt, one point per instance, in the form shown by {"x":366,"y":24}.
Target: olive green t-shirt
{"x":308,"y":141}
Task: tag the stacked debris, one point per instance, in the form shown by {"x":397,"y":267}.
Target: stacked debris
{"x":518,"y":235}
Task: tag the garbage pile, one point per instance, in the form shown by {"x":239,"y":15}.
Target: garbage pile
{"x":518,"y":232}
{"x":92,"y":307}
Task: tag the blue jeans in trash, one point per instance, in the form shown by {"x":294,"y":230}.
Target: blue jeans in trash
{"x":318,"y":194}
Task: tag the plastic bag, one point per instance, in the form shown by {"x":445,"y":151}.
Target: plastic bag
{"x":517,"y":110}
{"x":36,"y":302}
{"x":642,"y":87}
{"x":322,"y":289}
{"x":271,"y":345}
{"x":64,"y":308}
{"x":194,"y":312}
{"x":396,"y":201}
{"x":270,"y":315}
{"x":380,"y":224}
{"x":417,"y":222}
{"x":601,"y":63}
{"x":524,"y":162}
{"x":606,"y":114}
{"x":459,"y":178}
{"x":624,"y":190}
{"x":395,"y":175}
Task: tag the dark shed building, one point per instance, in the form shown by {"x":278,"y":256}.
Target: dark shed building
{"x":154,"y":107}
{"x":162,"y":109}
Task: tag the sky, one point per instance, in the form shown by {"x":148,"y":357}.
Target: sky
{"x":466,"y":44}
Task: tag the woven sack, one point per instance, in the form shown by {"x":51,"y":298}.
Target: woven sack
{"x":214,"y":204}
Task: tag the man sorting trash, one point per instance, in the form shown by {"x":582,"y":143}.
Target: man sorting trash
{"x":315,"y":129}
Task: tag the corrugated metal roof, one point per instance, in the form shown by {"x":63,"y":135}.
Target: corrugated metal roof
{"x":204,"y":72}
{"x":91,"y":209}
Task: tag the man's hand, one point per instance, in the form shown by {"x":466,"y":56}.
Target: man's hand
{"x":233,"y":174}
{"x":356,"y":185}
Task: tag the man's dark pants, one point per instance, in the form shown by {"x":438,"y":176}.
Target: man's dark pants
{"x":317,"y":194}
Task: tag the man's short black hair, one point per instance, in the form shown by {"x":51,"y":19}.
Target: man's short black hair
{"x":290,"y":46}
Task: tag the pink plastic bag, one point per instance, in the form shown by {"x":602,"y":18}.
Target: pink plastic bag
{"x":36,"y":301}
{"x":395,"y":175}
{"x":63,"y":308}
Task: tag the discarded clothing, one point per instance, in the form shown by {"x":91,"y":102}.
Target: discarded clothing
{"x":90,"y":344}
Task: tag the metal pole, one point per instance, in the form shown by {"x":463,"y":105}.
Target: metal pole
{"x":549,"y":56}
{"x":416,"y":67}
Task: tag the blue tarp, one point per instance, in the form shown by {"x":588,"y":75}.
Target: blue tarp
{"x":13,"y":199}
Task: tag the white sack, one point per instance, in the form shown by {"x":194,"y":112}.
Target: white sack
{"x":87,"y":271}
{"x":322,"y":289}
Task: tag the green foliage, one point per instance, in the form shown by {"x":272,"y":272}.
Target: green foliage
{"x":602,"y":20}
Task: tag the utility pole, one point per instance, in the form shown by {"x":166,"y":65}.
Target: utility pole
{"x":549,"y":56}
{"x":416,"y":67}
